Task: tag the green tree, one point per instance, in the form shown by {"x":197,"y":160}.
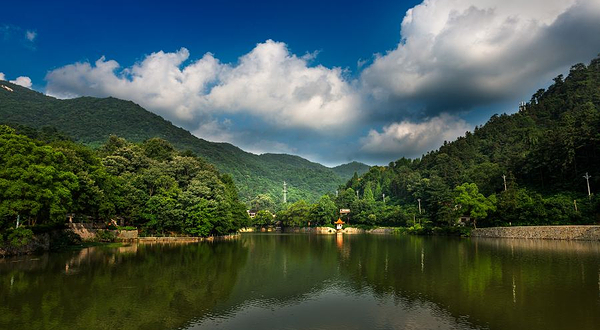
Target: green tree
{"x":263,"y":202}
{"x":472,"y":203}
{"x":263,"y":218}
{"x":324,"y":211}
{"x":33,"y":181}
{"x":296,"y":215}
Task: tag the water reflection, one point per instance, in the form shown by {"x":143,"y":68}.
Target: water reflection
{"x":280,"y":281}
{"x":158,"y":287}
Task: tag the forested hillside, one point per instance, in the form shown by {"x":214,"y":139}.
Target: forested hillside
{"x":347,"y":171}
{"x":44,"y":177}
{"x":543,"y":151}
{"x":92,"y":120}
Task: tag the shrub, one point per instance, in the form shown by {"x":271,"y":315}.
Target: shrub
{"x":19,"y":237}
{"x":105,"y":236}
{"x":64,"y":239}
{"x":452,"y":231}
{"x":126,"y":228}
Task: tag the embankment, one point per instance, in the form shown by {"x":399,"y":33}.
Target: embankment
{"x":577,"y":233}
{"x":328,"y":230}
{"x":37,"y":243}
{"x":88,"y":232}
{"x":184,"y":239}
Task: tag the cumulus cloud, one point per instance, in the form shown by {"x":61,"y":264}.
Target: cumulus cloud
{"x":457,"y":54}
{"x":268,"y":146}
{"x":269,"y":83}
{"x":412,"y":139}
{"x":454,"y":56}
{"x":215,"y":131}
{"x":21,"y":81}
{"x":251,"y":140}
{"x":281,"y":87}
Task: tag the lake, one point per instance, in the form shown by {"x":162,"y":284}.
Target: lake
{"x":303,"y":281}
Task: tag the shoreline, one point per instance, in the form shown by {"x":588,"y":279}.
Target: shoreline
{"x":326,"y":230}
{"x":42,"y":243}
{"x":566,"y":232}
{"x":182,"y":239}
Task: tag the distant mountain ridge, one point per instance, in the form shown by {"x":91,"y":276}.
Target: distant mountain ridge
{"x":92,"y":120}
{"x":348,"y":170}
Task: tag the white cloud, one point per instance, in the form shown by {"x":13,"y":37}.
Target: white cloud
{"x":454,"y":55}
{"x":22,"y":81}
{"x":269,"y":82}
{"x":281,"y":88}
{"x":30,"y":35}
{"x":462,"y":53}
{"x":412,"y":139}
{"x":221,"y":131}
{"x":215,"y":131}
{"x":267,"y":146}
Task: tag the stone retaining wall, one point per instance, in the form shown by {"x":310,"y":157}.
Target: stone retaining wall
{"x":381,"y":230}
{"x":176,"y":240}
{"x":309,"y":230}
{"x":581,"y":233}
{"x":87,"y":232}
{"x":126,"y":235}
{"x":329,"y":230}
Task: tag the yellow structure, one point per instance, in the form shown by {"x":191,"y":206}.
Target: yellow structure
{"x":338,"y":224}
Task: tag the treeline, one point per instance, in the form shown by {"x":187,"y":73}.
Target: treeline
{"x":527,"y":168}
{"x":91,"y":121}
{"x":44,"y":176}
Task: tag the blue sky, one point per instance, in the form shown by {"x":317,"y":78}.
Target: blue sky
{"x":69,"y":31}
{"x":332,"y":81}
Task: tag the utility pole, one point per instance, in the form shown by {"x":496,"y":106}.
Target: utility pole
{"x":419,"y":200}
{"x":587,"y":178}
{"x":284,"y":192}
{"x":504,"y":177}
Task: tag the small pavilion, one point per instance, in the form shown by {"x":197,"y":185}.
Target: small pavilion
{"x":338,"y":224}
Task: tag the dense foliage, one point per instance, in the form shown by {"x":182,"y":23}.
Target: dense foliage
{"x":92,"y":120}
{"x":148,"y":185}
{"x":542,"y":151}
{"x":527,"y":168}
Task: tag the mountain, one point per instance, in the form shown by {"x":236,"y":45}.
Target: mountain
{"x":347,"y":171}
{"x":533,"y":165}
{"x":92,"y":120}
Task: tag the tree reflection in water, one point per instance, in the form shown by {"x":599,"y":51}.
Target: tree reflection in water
{"x":266,"y":281}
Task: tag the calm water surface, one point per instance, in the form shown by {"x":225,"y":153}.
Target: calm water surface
{"x":274,"y":281}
